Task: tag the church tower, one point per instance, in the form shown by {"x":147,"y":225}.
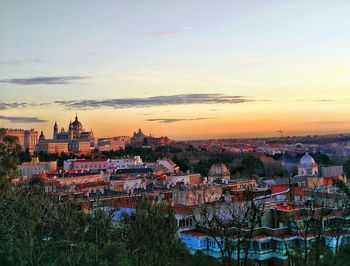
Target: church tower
{"x":71,"y":130}
{"x":55,"y":130}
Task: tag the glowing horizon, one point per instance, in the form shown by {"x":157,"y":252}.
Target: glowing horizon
{"x":249,"y":70}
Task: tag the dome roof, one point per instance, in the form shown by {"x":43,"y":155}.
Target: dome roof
{"x":139,"y":134}
{"x":219,"y":169}
{"x":42,"y":136}
{"x":76,"y":123}
{"x":307,"y":161}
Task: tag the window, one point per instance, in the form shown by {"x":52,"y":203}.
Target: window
{"x":266,"y":245}
{"x":212,"y":244}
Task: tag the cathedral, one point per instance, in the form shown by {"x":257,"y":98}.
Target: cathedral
{"x":73,"y":140}
{"x":75,"y":131}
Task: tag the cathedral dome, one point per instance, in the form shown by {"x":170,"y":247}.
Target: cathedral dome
{"x":219,"y":169}
{"x":76,"y":124}
{"x":307,"y":161}
{"x":42,"y":136}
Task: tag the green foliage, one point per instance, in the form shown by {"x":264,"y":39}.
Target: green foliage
{"x":249,"y":167}
{"x":347,"y":168}
{"x":200,"y":259}
{"x":9,"y":150}
{"x":322,"y":159}
{"x":342,"y":187}
{"x":151,"y":235}
{"x":24,"y":156}
{"x":182,"y":162}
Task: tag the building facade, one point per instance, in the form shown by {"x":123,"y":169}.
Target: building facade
{"x":27,"y":138}
{"x":74,"y":140}
{"x":35,"y":167}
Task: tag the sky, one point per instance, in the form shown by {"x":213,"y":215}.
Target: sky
{"x":185,"y":69}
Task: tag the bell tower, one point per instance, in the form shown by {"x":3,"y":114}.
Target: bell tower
{"x":55,"y":130}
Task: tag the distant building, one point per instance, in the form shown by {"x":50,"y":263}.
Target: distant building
{"x":307,"y":166}
{"x":52,"y":147}
{"x":35,"y":167}
{"x":85,"y":164}
{"x":197,"y":196}
{"x":74,"y":140}
{"x":140,"y":139}
{"x":332,"y":171}
{"x":185,"y":179}
{"x":219,"y":171}
{"x":125,"y":162}
{"x":111,"y":144}
{"x":27,"y":138}
{"x":75,"y":131}
{"x":169,"y":166}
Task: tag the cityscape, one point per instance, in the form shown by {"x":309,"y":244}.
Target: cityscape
{"x":174,"y":133}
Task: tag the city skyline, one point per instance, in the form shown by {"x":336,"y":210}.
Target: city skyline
{"x":186,"y":70}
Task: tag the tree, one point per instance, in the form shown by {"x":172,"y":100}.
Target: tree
{"x":230,"y":225}
{"x":314,"y":222}
{"x":347,"y":168}
{"x":200,"y":259}
{"x":249,"y":167}
{"x":151,"y":234}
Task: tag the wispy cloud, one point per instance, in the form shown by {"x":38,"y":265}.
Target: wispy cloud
{"x":22,"y":119}
{"x":178,"y":30}
{"x":44,"y":80}
{"x":180,"y":99}
{"x":174,"y":120}
{"x":19,"y":61}
{"x":315,"y":100}
{"x":323,"y":100}
{"x":19,"y":105}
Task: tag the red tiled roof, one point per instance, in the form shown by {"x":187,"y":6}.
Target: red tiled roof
{"x":75,"y":171}
{"x":193,"y":233}
{"x":90,"y":160}
{"x":91,"y":184}
{"x":261,"y":236}
{"x":179,"y":209}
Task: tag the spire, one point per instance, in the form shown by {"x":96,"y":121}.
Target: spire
{"x":55,"y":126}
{"x":76,"y":116}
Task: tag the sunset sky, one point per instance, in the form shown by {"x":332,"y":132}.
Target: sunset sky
{"x":185,"y":69}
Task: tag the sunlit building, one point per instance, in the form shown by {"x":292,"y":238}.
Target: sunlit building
{"x":27,"y":138}
{"x":74,"y":140}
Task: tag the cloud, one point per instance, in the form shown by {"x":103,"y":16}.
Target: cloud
{"x":174,"y":120}
{"x":179,"y":30}
{"x":19,"y":105}
{"x":315,"y":100}
{"x":323,"y":100}
{"x":44,"y":80}
{"x":180,"y":99}
{"x":22,"y":119}
{"x":19,"y":61}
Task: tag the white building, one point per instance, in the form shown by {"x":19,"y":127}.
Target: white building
{"x":35,"y":167}
{"x":169,"y":165}
{"x":125,"y":163}
{"x":307,"y":166}
{"x":185,"y":179}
